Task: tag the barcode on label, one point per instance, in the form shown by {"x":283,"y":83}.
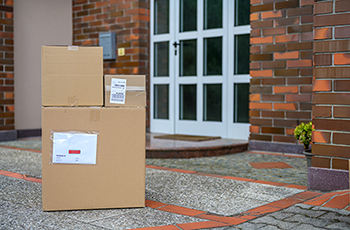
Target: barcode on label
{"x":118,"y":97}
{"x":118,"y":87}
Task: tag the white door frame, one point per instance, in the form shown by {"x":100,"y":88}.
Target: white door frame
{"x":227,"y":128}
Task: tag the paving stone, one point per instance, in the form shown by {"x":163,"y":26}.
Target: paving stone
{"x":339,"y":225}
{"x":336,"y":216}
{"x":248,"y":225}
{"x":274,"y":222}
{"x":280,"y":215}
{"x":214,"y":195}
{"x":24,"y":162}
{"x":307,"y":227}
{"x":339,"y":211}
{"x":307,"y":220}
{"x":145,"y":217}
{"x":237,"y":165}
{"x":303,"y":211}
{"x":270,"y":227}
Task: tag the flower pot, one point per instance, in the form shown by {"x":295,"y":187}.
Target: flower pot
{"x":308,"y":156}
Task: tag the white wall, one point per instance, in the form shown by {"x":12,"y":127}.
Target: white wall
{"x":36,"y":23}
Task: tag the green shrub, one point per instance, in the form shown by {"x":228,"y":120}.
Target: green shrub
{"x":303,"y":133}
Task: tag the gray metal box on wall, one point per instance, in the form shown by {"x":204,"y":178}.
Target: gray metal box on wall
{"x":107,"y":41}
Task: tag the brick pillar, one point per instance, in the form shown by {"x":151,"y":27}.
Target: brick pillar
{"x":331,"y":96}
{"x":281,"y":71}
{"x":6,"y":68}
{"x":129,"y":20}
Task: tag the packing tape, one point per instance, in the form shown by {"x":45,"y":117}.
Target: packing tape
{"x":74,"y":48}
{"x":95,"y":115}
{"x":129,"y":88}
{"x":72,"y":100}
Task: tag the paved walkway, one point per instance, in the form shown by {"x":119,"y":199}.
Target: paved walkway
{"x":225,"y":192}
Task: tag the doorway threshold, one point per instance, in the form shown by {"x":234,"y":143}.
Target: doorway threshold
{"x":167,"y":148}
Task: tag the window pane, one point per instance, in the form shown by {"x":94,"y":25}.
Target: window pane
{"x":188,"y":58}
{"x":242,"y":12}
{"x":188,"y":102}
{"x":212,"y":14}
{"x":188,"y":15}
{"x":161,"y":101}
{"x":213,"y":56}
{"x":161,"y":59}
{"x":241,"y":100}
{"x":161,"y":16}
{"x":242,"y":52}
{"x":212,"y":105}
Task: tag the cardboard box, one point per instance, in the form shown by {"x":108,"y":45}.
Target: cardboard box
{"x":133,"y":95}
{"x":116,"y":180}
{"x":72,"y":76}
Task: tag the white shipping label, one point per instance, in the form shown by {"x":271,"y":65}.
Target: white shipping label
{"x":118,"y":88}
{"x":74,"y":148}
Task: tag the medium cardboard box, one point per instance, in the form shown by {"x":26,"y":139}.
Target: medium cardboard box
{"x":72,"y":76}
{"x":117,"y":177}
{"x":132,"y":95}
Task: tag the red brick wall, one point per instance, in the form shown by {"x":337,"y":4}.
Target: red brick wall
{"x":6,"y":66}
{"x":331,"y":91}
{"x":281,"y":68}
{"x":129,"y":20}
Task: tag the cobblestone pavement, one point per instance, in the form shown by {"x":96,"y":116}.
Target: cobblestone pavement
{"x":188,"y":194}
{"x":299,"y":216}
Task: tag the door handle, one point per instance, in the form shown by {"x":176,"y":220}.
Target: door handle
{"x":175,"y":44}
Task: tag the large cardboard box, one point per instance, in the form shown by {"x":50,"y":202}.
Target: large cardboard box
{"x":132,"y":95}
{"x":117,"y":177}
{"x":72,"y":76}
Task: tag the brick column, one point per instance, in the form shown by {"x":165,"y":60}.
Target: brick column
{"x":129,"y":20}
{"x":281,"y":71}
{"x":331,"y":96}
{"x":6,"y":70}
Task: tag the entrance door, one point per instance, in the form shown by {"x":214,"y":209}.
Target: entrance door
{"x":192,"y":83}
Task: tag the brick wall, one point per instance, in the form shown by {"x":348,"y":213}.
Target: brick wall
{"x":6,"y":66}
{"x":281,"y":69}
{"x":129,"y":20}
{"x":331,"y":91}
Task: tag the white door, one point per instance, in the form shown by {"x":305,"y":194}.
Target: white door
{"x":192,"y":78}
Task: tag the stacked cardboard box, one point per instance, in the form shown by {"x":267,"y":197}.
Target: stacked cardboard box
{"x":93,"y":148}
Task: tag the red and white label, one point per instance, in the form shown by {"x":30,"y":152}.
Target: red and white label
{"x":74,"y":151}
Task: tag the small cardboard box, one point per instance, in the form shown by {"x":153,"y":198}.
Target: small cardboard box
{"x":127,"y":90}
{"x":71,"y":76}
{"x":115,"y":178}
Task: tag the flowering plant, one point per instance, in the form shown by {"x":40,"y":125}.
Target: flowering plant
{"x":303,"y":133}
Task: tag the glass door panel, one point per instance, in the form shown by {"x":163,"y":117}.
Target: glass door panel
{"x":161,"y":101}
{"x":161,"y":59}
{"x":188,"y":102}
{"x":188,"y":58}
{"x":213,"y":12}
{"x":212,"y":100}
{"x":188,"y":15}
{"x":242,"y":54}
{"x":213,"y":56}
{"x":241,"y":103}
{"x":242,"y":12}
{"x":161,"y":16}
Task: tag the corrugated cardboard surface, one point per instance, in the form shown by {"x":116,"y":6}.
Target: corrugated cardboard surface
{"x":118,"y":178}
{"x":135,"y":90}
{"x":72,"y":76}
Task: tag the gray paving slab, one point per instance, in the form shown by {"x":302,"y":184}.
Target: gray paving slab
{"x":238,"y":165}
{"x":214,"y":195}
{"x":145,"y":217}
{"x":21,"y":209}
{"x":24,"y":162}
